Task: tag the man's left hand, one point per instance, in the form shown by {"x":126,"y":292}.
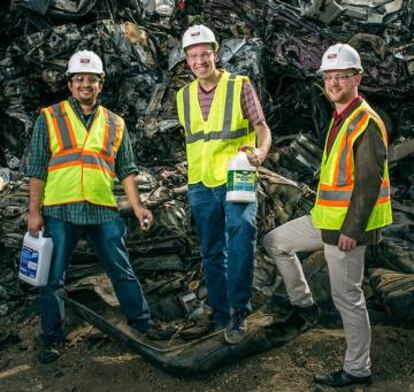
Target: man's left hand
{"x":144,"y":217}
{"x":256,"y":156}
{"x":346,"y":243}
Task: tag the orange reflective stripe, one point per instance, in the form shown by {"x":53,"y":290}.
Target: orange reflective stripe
{"x":112,"y":127}
{"x":55,"y":127}
{"x":69,"y":151}
{"x":106,"y":132}
{"x":64,"y":128}
{"x":68,"y":124}
{"x":343,"y":172}
{"x":107,"y":158}
{"x":333,"y":203}
{"x":352,"y":137}
{"x":326,"y":187}
{"x":382,"y":200}
{"x":63,"y":165}
{"x":70,"y":159}
{"x":99,"y":167}
{"x":98,"y":162}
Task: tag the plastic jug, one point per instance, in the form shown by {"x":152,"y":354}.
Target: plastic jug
{"x":241,"y":179}
{"x":35,"y":259}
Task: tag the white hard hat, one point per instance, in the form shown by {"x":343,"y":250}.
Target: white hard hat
{"x":199,"y":34}
{"x":85,"y":61}
{"x":340,"y":56}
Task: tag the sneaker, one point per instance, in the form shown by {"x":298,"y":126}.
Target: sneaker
{"x":305,"y":317}
{"x":157,"y":331}
{"x":50,"y":352}
{"x":236,"y":329}
{"x":216,"y":326}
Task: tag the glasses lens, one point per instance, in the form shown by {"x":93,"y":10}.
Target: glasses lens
{"x":89,"y":79}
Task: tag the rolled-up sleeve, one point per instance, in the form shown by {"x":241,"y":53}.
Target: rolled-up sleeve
{"x":39,"y":153}
{"x":125,"y":161}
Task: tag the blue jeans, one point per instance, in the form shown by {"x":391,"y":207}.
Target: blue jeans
{"x":227,"y":235}
{"x":108,"y":240}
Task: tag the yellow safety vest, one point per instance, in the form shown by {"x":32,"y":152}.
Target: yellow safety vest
{"x":211,"y":144}
{"x":82,"y":165}
{"x":336,"y":182}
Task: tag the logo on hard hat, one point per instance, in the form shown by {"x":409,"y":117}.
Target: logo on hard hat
{"x":195,"y":34}
{"x":332,"y":56}
{"x":85,"y":61}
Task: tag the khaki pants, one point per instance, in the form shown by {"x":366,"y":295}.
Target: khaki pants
{"x":346,"y":270}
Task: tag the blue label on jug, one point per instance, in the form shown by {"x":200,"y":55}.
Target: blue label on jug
{"x":29,"y":262}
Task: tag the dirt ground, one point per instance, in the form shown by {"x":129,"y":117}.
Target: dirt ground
{"x":95,"y":363}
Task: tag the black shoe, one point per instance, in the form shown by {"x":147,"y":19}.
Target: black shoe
{"x":341,"y":378}
{"x":50,"y":352}
{"x":304,"y":318}
{"x":160,"y":332}
{"x":236,"y":329}
{"x":216,"y":326}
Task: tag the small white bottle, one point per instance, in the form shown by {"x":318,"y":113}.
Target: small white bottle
{"x":35,"y":259}
{"x":241,"y":179}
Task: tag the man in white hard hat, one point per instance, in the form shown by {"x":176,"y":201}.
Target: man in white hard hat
{"x":221,"y":114}
{"x":352,"y":205}
{"x":78,"y":148}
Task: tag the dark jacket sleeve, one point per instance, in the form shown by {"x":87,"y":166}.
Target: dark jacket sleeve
{"x":369,"y":161}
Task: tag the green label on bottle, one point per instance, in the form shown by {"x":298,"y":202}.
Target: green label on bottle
{"x":241,"y":180}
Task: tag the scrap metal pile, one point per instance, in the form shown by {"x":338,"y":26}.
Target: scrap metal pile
{"x":278,"y":44}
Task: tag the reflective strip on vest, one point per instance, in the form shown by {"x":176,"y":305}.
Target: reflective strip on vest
{"x":62,"y":160}
{"x":110,"y":132}
{"x":336,"y":182}
{"x":187,"y":115}
{"x":212,"y":142}
{"x":66,"y":138}
{"x":343,"y":198}
{"x":82,"y":165}
{"x":342,"y":179}
{"x":98,"y":162}
{"x":226,"y":133}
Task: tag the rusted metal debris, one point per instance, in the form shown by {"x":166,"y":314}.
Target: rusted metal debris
{"x":279,"y":46}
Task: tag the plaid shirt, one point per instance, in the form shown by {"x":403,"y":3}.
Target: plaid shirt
{"x":79,"y":213}
{"x":250,"y":104}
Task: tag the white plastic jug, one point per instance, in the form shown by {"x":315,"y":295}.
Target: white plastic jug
{"x":35,"y":259}
{"x":241,"y":179}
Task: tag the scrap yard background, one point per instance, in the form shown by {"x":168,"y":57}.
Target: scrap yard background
{"x":278,"y":44}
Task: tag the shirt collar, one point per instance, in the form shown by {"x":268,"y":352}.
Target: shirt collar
{"x":75,"y":104}
{"x":349,"y":108}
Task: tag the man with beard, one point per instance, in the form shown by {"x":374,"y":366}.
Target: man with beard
{"x":352,"y":205}
{"x":78,"y":148}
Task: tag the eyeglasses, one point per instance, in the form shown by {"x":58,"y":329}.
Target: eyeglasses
{"x":201,"y":57}
{"x":336,"y":78}
{"x":79,"y":79}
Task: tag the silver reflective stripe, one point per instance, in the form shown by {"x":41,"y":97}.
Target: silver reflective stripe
{"x":112,"y":124}
{"x":63,"y":127}
{"x":346,"y":195}
{"x":218,"y":135}
{"x":228,"y":106}
{"x":335,"y":195}
{"x":95,"y":160}
{"x":385,"y":191}
{"x":60,"y":159}
{"x":187,"y":119}
{"x":342,"y":160}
